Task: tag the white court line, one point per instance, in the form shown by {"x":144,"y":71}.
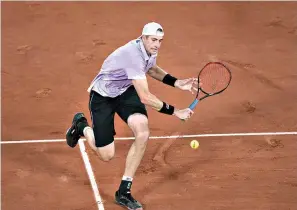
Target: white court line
{"x":91,"y":175}
{"x":164,"y":137}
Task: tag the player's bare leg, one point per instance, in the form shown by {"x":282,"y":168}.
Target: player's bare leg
{"x":105,"y":153}
{"x":139,"y":125}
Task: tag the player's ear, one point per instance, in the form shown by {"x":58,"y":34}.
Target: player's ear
{"x":143,"y":37}
{"x":146,"y":37}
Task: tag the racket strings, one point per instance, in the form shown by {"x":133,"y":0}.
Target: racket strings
{"x":214,"y":78}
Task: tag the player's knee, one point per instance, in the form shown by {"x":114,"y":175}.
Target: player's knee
{"x":106,"y":156}
{"x":107,"y":152}
{"x":142,"y":135}
{"x":139,"y":124}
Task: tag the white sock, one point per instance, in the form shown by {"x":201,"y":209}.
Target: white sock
{"x":87,"y":127}
{"x":127,"y":178}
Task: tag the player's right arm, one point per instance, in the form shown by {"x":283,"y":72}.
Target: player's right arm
{"x":135,"y":73}
{"x":151,"y":100}
{"x":145,"y":95}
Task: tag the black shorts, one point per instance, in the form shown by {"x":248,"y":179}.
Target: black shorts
{"x":103,"y":109}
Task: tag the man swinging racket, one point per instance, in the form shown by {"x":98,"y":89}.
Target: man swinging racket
{"x":121,"y":87}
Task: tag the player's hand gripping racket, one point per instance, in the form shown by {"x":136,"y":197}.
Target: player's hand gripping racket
{"x":213,"y":79}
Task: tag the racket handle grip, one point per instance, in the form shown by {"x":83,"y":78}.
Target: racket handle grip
{"x":193,"y":105}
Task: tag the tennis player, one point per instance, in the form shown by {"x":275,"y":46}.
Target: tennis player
{"x":121,"y":87}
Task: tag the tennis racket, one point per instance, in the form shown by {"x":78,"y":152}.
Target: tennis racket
{"x":213,"y":79}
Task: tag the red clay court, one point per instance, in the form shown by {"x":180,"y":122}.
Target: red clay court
{"x":51,"y":51}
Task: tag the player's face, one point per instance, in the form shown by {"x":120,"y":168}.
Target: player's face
{"x":152,"y":43}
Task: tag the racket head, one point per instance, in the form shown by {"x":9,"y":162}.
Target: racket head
{"x":214,"y":78}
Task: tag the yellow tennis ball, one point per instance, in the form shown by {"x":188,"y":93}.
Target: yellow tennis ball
{"x":194,"y":144}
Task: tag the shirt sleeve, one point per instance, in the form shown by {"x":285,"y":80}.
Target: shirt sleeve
{"x":135,"y":68}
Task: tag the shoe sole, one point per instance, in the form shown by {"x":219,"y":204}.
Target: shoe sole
{"x":77,"y":117}
{"x":70,"y":139}
{"x":123,"y":205}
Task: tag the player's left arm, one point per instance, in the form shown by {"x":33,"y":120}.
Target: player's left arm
{"x":161,"y":75}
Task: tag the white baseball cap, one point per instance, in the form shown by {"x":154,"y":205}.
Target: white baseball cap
{"x":153,"y":29}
